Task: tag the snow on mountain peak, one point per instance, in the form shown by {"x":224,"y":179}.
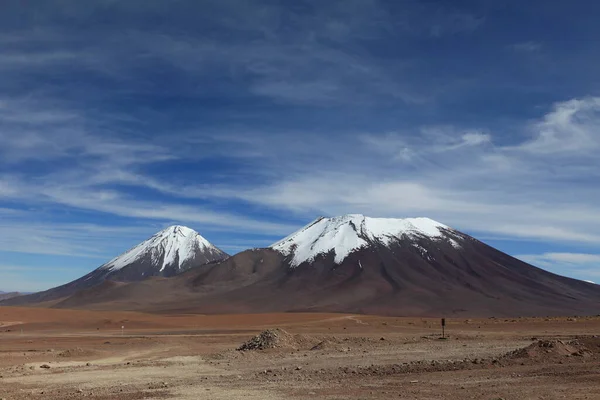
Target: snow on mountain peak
{"x":177,"y":231}
{"x":174,"y":245}
{"x":350,"y":232}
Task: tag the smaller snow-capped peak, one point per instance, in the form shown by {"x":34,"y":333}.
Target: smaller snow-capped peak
{"x":173,"y":246}
{"x":348,"y":233}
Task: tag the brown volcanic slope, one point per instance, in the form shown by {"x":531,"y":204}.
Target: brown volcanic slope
{"x":413,"y":267}
{"x":475,"y":280}
{"x":167,"y":253}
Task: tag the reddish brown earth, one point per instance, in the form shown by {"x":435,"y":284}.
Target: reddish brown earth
{"x":314,"y":356}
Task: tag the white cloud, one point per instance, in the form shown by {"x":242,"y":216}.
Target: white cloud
{"x":77,"y":156}
{"x":20,"y":232}
{"x":448,"y":174}
{"x":566,"y":258}
{"x":458,"y":176}
{"x":572,"y":126}
{"x":580,"y":265}
{"x":476,"y":138}
{"x":114,"y":202}
{"x":319,"y":57}
{"x":89,"y":170}
{"x":527,"y":47}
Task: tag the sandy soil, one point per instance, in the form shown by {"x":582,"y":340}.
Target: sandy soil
{"x":65,"y":354}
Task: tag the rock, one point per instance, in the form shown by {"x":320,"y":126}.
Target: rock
{"x":45,"y":366}
{"x":298,"y":368}
{"x":268,"y":339}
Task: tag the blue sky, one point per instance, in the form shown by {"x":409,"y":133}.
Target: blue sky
{"x":247,"y":119}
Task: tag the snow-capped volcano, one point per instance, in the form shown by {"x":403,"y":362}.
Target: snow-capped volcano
{"x":346,"y":234}
{"x":167,"y":253}
{"x":350,"y":264}
{"x":175,"y":248}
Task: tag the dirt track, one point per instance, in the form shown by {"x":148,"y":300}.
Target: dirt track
{"x":328,"y":356}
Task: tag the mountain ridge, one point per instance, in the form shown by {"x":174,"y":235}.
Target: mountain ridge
{"x":356,"y":264}
{"x":9,"y":295}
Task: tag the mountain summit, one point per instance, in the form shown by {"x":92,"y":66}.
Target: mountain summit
{"x":346,"y":234}
{"x":167,"y":253}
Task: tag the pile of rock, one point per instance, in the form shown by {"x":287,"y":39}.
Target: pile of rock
{"x":269,"y":339}
{"x":549,"y":349}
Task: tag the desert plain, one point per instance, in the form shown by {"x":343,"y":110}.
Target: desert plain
{"x":73,"y":354}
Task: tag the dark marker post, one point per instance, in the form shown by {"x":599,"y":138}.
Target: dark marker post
{"x":443,"y":327}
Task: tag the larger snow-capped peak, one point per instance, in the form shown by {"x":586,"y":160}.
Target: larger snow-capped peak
{"x":173,"y":246}
{"x":348,"y":233}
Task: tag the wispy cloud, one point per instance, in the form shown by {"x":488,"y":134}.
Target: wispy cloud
{"x":583,"y":265}
{"x":527,"y":47}
{"x":320,"y":57}
{"x":570,"y":258}
{"x":449,"y":22}
{"x":569,"y":128}
{"x":447,"y":175}
{"x":251,"y":117}
{"x":442,"y":172}
{"x":22,"y":233}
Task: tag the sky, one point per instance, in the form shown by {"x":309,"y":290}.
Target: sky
{"x":247,"y":119}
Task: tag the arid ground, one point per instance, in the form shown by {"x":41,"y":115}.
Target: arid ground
{"x":65,"y":354}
